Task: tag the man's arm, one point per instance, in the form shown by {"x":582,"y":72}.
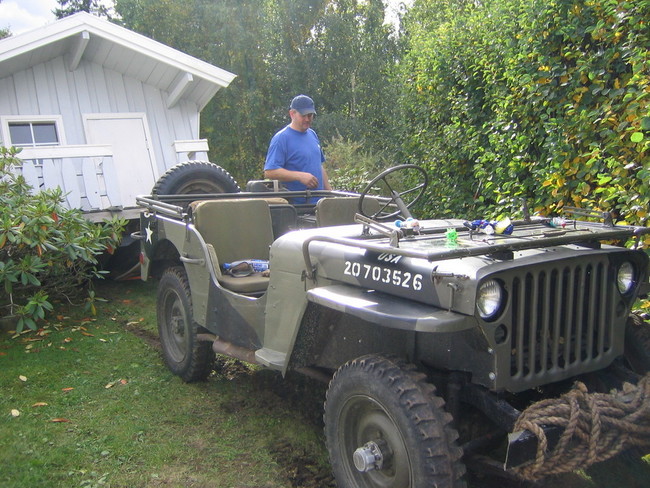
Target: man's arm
{"x":281,"y":174}
{"x":326,"y":181}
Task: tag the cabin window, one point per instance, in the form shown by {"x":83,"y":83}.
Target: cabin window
{"x":32,"y":131}
{"x":33,"y":134}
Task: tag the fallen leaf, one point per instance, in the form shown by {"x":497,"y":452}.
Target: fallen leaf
{"x":67,"y":339}
{"x":126,"y":300}
{"x":22,"y":378}
{"x":103,"y":340}
{"x":121,"y":381}
{"x":87,"y":334}
{"x":15,"y":413}
{"x":59,"y":420}
{"x":40,"y":404}
{"x":3,"y":353}
{"x":132,"y":323}
{"x":67,"y":389}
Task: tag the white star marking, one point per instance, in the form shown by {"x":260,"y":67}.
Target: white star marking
{"x":149,"y":233}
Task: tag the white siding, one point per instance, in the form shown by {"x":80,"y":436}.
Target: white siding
{"x":94,"y":89}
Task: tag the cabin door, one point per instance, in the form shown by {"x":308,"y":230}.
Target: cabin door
{"x":133,"y":162}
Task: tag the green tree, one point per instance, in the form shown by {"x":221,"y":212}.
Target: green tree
{"x":589,"y":81}
{"x":353,"y":55}
{"x":69,"y":7}
{"x":524,"y":98}
{"x":457,"y":54}
{"x":230,"y":34}
{"x":4,"y":31}
{"x":279,"y":48}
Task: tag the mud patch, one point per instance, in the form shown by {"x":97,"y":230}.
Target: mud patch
{"x":231,"y":369}
{"x":299,"y":468}
{"x":151,"y":338}
{"x":305,"y":396}
{"x":298,"y":394}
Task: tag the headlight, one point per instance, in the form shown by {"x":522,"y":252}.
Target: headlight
{"x":625,"y":277}
{"x":489,"y":299}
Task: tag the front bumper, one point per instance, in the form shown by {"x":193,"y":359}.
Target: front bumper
{"x":580,"y":428}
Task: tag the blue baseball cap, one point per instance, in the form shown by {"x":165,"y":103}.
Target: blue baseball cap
{"x":303,"y":104}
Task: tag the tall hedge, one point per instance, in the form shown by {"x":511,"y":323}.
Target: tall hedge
{"x":546,"y":100}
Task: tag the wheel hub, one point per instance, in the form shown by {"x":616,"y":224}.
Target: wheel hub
{"x":369,"y":457}
{"x":178,"y":326}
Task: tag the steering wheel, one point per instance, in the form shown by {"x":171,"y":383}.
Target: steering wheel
{"x":397,"y":174}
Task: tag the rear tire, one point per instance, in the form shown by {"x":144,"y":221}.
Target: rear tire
{"x":195,"y":177}
{"x":382,"y":408}
{"x":183,"y":353}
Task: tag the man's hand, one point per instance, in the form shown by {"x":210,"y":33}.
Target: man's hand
{"x":281,"y":174}
{"x":307,"y":179}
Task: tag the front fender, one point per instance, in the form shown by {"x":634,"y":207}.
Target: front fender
{"x":389,"y":311}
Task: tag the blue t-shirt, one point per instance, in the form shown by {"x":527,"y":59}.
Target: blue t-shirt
{"x":296,"y":151}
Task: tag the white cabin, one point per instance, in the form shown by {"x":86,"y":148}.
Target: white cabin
{"x":101,"y":111}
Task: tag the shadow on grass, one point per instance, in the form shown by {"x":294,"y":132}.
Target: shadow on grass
{"x":98,"y":408}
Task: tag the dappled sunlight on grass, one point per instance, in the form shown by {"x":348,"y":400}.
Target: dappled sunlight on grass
{"x":88,"y":402}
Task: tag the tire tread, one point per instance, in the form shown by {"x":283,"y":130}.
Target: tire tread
{"x":422,"y":405}
{"x":198,"y":365}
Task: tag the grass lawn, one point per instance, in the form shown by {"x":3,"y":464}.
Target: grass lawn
{"x":89,"y":403}
{"x":98,"y":408}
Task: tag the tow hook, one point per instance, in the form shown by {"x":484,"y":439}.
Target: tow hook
{"x":368,"y":457}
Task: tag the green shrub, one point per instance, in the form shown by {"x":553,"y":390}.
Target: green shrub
{"x":349,"y":167}
{"x":47,"y":251}
{"x":543,"y":100}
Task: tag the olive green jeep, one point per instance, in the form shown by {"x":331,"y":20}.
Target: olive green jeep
{"x":444,"y":342}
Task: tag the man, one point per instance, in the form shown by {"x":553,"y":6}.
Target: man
{"x":295,"y":156}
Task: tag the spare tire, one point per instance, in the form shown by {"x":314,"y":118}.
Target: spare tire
{"x":195,"y":177}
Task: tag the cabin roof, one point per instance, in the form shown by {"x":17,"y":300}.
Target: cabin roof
{"x":85,"y":36}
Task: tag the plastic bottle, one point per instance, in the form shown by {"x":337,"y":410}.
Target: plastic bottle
{"x":558,"y":222}
{"x":409,"y":223}
{"x":452,"y":237}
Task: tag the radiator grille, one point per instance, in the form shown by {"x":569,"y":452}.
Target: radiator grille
{"x":561,"y":317}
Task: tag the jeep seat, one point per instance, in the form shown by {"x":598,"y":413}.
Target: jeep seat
{"x":341,"y":210}
{"x":236,"y":229}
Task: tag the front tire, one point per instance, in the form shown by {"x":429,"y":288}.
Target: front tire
{"x":183,"y":353}
{"x":637,"y":343}
{"x":385,"y":427}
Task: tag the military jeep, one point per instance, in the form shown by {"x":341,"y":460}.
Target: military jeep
{"x":444,"y":343}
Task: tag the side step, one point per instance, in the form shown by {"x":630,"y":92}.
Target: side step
{"x":271,"y":359}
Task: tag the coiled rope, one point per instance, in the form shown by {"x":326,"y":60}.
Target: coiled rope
{"x":597,"y":426}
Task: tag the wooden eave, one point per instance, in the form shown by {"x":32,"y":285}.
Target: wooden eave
{"x":85,"y":37}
